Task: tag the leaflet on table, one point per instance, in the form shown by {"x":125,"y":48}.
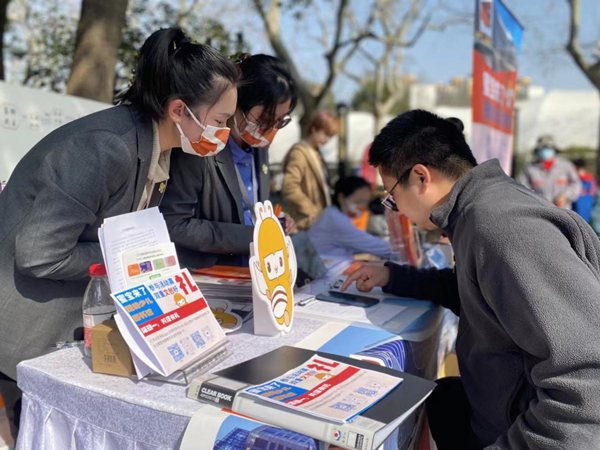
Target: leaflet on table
{"x":121,"y":234}
{"x":211,"y":428}
{"x":378,"y":314}
{"x":167,"y":323}
{"x":327,"y":389}
{"x":148,"y":263}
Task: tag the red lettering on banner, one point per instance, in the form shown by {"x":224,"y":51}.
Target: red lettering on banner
{"x":320,"y":389}
{"x":182,"y":313}
{"x":494,"y":95}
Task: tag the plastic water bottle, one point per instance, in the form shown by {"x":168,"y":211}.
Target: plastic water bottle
{"x":98,"y":305}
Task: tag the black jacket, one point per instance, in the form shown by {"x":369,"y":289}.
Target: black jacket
{"x":202,"y":206}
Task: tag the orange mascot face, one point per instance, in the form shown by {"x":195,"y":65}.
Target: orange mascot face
{"x":275,"y":266}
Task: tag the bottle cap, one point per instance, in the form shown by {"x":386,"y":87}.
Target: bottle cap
{"x":98,"y":270}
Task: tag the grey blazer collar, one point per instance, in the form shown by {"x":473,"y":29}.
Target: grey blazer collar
{"x":143,"y":126}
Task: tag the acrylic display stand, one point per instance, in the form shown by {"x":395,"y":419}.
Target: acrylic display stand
{"x":185,"y":376}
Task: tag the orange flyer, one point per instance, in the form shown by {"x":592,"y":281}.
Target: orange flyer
{"x":233,"y":272}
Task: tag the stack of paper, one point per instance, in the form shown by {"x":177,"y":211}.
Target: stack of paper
{"x":220,"y":288}
{"x":136,"y":248}
{"x":161,"y":313}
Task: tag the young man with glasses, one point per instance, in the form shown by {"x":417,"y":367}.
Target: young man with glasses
{"x":526,"y":287}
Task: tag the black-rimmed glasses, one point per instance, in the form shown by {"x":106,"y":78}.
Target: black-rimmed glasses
{"x":388,"y":201}
{"x":279,"y":124}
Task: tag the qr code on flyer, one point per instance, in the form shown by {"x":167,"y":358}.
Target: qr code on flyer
{"x":176,"y":353}
{"x":197,"y":338}
{"x":368,"y":392}
{"x":343,"y":406}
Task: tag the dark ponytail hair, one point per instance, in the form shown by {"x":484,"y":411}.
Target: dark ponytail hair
{"x":266,"y":81}
{"x":172,"y":67}
{"x":348,"y":186}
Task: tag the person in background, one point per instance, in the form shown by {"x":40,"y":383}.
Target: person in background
{"x":584,"y":205}
{"x":109,"y":163}
{"x":526,"y":287}
{"x":334,"y":234}
{"x":305,"y":185}
{"x":550,"y":176}
{"x":209,"y":203}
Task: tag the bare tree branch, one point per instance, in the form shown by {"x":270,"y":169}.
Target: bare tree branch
{"x":322,"y":25}
{"x":419,"y":33}
{"x":361,"y":81}
{"x":336,"y":66}
{"x":186,"y":11}
{"x":369,"y":57}
{"x":573,"y":44}
{"x":271,"y":20}
{"x":592,"y":72}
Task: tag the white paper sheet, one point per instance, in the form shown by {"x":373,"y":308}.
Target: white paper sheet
{"x":146,"y":228}
{"x":377,"y":315}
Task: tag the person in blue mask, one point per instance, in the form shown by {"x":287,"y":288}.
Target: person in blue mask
{"x":550,"y":176}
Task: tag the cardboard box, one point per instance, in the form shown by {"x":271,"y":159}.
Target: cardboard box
{"x":110,"y":353}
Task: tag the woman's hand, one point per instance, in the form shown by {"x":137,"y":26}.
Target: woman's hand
{"x":290,"y":225}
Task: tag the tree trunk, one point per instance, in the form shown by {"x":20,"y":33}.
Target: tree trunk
{"x":98,"y":39}
{"x":310,"y":109}
{"x":3,"y":21}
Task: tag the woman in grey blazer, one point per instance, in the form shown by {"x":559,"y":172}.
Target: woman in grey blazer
{"x":99,"y":166}
{"x":209,"y":202}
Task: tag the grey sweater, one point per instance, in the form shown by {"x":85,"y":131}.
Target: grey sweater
{"x":527,"y":285}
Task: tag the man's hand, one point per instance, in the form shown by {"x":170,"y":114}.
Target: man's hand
{"x":561,"y":201}
{"x":368,"y":277}
{"x":290,"y":225}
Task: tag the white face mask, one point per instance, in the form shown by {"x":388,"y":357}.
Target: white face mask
{"x":212,"y":140}
{"x":253,"y":135}
{"x":354,"y":210}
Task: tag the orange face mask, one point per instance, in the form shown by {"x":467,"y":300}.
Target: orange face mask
{"x":254,"y":136}
{"x":212,"y":140}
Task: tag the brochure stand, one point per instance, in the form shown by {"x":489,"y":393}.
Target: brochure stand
{"x":273,"y":269}
{"x":185,"y":376}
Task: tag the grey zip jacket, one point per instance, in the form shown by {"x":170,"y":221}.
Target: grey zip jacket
{"x":527,"y":281}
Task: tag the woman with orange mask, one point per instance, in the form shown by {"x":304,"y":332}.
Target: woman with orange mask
{"x":109,"y":163}
{"x":209,"y":202}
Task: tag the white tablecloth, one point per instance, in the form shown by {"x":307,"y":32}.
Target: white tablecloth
{"x":68,"y":407}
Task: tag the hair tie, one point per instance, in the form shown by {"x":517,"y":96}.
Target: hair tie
{"x":241,"y":57}
{"x":181,"y":43}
